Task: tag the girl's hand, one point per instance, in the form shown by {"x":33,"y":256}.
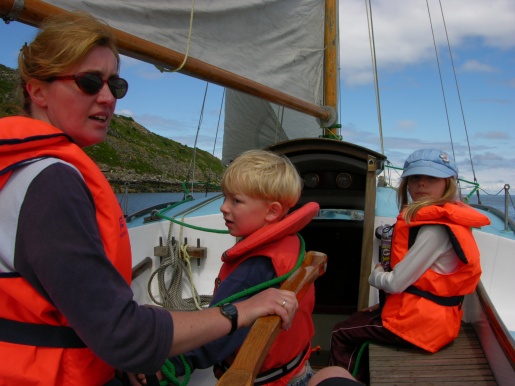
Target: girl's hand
{"x":371,"y":308}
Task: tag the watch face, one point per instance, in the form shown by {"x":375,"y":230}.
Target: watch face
{"x":229,"y":309}
{"x":231,"y":313}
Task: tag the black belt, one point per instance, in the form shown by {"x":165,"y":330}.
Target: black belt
{"x":41,"y":335}
{"x":279,"y":372}
{"x":271,"y":374}
{"x":448,"y":301}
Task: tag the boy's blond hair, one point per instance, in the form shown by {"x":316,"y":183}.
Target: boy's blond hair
{"x":263,"y":175}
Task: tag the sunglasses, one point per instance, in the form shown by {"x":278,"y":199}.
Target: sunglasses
{"x":91,"y":84}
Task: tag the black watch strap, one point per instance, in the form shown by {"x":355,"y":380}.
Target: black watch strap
{"x":230,"y":311}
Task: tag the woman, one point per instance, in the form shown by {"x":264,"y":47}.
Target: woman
{"x":66,"y":309}
{"x":434,"y":263}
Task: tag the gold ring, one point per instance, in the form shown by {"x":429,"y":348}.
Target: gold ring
{"x":284,"y":302}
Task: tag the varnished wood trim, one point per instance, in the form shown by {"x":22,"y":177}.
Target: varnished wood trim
{"x":141,"y":267}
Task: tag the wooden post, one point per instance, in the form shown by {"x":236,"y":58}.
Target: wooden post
{"x":368,"y":233}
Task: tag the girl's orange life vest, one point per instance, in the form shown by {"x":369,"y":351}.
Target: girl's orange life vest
{"x":415,"y":318}
{"x":23,"y":139}
{"x":280,"y":243}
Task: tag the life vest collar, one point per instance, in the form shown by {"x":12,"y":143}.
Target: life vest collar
{"x":289,"y":225}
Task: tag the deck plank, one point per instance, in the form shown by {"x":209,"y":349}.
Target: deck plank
{"x":461,"y":362}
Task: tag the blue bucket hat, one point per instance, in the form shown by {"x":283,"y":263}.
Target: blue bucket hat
{"x":430,"y":162}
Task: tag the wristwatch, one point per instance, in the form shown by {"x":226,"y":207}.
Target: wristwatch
{"x":230,"y":312}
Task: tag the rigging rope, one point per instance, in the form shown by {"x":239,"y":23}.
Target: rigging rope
{"x":371,"y":38}
{"x":279,"y":122}
{"x":459,"y":98}
{"x":441,"y":80}
{"x":214,"y":144}
{"x":193,"y":163}
{"x":162,"y":69}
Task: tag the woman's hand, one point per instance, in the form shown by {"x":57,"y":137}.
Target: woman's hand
{"x":269,"y":302}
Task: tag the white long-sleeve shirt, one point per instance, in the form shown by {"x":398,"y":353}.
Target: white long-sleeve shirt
{"x":432,"y":250}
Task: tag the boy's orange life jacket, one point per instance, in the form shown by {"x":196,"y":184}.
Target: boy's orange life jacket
{"x":23,"y":139}
{"x":280,"y":243}
{"x":415,"y":317}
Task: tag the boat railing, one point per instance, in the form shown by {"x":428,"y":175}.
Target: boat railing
{"x":507,"y":199}
{"x":509,"y":224}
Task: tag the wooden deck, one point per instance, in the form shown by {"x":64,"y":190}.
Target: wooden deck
{"x":460,"y":363}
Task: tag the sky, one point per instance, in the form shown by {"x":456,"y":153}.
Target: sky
{"x":481,"y":34}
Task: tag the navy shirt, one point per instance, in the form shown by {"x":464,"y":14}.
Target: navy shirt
{"x":253,"y":271}
{"x":58,"y":250}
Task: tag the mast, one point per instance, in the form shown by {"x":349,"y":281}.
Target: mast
{"x":331,"y":64}
{"x":33,"y":12}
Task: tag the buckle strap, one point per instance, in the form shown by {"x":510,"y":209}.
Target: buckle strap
{"x":447,"y":301}
{"x":279,"y":372}
{"x":41,"y":335}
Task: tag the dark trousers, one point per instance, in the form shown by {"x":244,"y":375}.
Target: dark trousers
{"x":349,"y":335}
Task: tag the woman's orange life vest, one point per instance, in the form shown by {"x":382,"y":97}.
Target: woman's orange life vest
{"x":280,"y":243}
{"x":23,"y":139}
{"x":417,"y":319}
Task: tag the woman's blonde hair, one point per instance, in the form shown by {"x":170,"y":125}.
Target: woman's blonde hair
{"x":410,"y":209}
{"x":63,"y":41}
{"x":263,"y":175}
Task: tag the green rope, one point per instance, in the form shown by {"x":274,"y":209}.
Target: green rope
{"x":270,"y":283}
{"x":160,"y":215}
{"x":358,"y":358}
{"x":188,"y":198}
{"x":168,"y":369}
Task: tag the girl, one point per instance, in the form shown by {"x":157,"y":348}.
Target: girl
{"x":434,"y":262}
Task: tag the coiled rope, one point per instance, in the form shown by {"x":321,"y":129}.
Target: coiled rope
{"x":178,"y":260}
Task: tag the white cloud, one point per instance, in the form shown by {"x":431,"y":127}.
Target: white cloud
{"x":476,"y":66}
{"x":125,"y":112}
{"x":494,"y":135}
{"x":402,"y":31}
{"x":406,"y":125}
